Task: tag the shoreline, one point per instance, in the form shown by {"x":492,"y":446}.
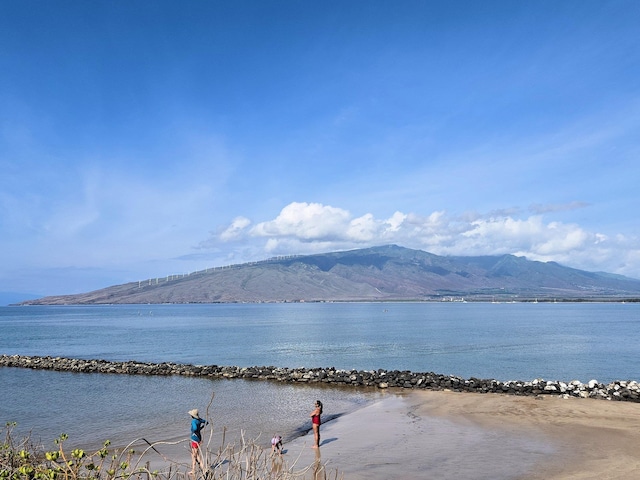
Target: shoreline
{"x":448,"y":434}
{"x":452,"y":435}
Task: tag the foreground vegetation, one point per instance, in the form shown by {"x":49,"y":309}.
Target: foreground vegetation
{"x":22,"y":459}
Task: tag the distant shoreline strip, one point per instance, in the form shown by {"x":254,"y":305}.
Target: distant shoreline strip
{"x":620,"y":390}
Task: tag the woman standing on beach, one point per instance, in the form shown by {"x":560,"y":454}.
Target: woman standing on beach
{"x":315,"y":422}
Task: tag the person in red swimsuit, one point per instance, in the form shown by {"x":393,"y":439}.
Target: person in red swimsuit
{"x":316,"y":422}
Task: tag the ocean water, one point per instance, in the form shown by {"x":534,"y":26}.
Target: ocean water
{"x":502,"y":341}
{"x":519,"y":341}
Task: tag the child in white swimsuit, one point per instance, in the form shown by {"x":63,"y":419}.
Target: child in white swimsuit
{"x":276,"y":444}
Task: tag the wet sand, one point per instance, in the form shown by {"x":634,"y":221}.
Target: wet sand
{"x":447,"y":435}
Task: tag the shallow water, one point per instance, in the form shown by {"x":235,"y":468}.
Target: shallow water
{"x":92,"y":408}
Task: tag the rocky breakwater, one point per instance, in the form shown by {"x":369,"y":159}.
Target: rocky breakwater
{"x":617,"y":390}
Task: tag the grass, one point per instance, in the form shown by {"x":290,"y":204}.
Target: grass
{"x":22,"y":459}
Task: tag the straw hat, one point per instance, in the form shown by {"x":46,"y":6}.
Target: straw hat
{"x":194,"y":413}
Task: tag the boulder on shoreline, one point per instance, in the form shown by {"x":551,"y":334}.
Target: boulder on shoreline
{"x":622,"y":390}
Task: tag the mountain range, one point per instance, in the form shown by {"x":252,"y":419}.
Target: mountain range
{"x":384,"y":273}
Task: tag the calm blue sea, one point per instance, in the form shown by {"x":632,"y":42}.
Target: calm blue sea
{"x":504,"y":341}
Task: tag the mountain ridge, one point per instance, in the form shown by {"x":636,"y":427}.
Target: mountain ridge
{"x":384,"y":273}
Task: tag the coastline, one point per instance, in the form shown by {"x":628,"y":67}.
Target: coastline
{"x":447,"y":434}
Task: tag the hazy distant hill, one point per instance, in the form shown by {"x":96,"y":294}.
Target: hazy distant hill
{"x":373,"y":274}
{"x":8,"y":298}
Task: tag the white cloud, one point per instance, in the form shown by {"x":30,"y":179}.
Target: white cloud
{"x":363,"y":229}
{"x":563,"y":238}
{"x":531,"y":237}
{"x":313,"y":227}
{"x":396,"y":220}
{"x":306,"y":222}
{"x":236,"y":229}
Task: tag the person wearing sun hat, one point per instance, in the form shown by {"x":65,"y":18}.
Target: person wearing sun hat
{"x":197,"y":424}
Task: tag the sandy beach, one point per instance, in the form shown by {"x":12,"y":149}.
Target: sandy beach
{"x":447,"y":435}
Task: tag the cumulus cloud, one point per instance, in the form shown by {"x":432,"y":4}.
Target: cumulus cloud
{"x":307,"y":222}
{"x":302,"y":227}
{"x":529,"y":236}
{"x":236,"y":229}
{"x":324,"y":224}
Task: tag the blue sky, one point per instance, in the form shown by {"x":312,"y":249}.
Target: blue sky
{"x":140,"y":139}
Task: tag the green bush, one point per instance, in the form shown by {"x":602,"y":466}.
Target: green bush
{"x":23,"y":460}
